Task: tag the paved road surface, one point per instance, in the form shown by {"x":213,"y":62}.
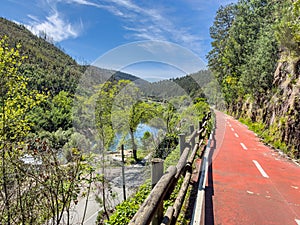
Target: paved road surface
{"x":249,"y":183}
{"x":135,"y":176}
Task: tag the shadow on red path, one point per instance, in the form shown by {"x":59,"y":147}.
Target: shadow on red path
{"x":249,"y":183}
{"x":209,"y":193}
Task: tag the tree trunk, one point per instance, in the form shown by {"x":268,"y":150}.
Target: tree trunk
{"x":134,"y":148}
{"x":4,"y":186}
{"x":87,"y":197}
{"x":103,"y":180}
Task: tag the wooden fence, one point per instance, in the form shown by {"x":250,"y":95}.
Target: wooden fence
{"x":152,"y":208}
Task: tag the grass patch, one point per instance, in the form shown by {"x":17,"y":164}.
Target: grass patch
{"x":172,"y":159}
{"x":125,"y":211}
{"x":257,"y":127}
{"x":269,"y":135}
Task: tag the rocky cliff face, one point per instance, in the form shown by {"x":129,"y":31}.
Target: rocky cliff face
{"x":283,"y":111}
{"x":279,"y":115}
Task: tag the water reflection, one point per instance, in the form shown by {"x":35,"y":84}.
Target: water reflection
{"x":141,"y":129}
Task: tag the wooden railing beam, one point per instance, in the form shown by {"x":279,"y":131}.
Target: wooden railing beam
{"x":167,"y":182}
{"x":148,"y":208}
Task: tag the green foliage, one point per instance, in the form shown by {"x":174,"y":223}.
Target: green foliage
{"x":257,"y":74}
{"x":54,"y":114}
{"x":288,"y":29}
{"x":294,"y":24}
{"x":170,"y":116}
{"x":15,"y":100}
{"x":126,"y":210}
{"x":166,"y":146}
{"x":257,"y":127}
{"x":29,"y":196}
{"x":172,"y":158}
{"x":46,"y":67}
{"x":270,"y":135}
{"x":140,"y":112}
{"x":244,"y":49}
{"x":174,"y":194}
{"x":104,"y":99}
{"x":190,"y":85}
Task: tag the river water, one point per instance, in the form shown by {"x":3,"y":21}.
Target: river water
{"x":141,"y":129}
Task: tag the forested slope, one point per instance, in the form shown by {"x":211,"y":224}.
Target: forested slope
{"x":256,"y":59}
{"x":49,"y":125}
{"x":192,"y":85}
{"x":51,"y":72}
{"x":47,"y":67}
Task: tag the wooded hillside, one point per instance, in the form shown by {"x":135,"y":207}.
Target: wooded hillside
{"x":58,"y":121}
{"x":256,"y":58}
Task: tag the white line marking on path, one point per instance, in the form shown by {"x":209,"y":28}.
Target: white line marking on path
{"x":244,"y":146}
{"x":232,"y":129}
{"x":261,"y":170}
{"x":236,"y":135}
{"x":229,"y":124}
{"x":297,"y":221}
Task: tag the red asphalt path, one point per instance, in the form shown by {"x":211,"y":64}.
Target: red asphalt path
{"x":249,"y":183}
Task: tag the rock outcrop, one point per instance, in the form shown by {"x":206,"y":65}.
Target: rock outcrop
{"x":283,"y":110}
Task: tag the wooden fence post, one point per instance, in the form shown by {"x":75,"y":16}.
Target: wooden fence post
{"x":123,"y":172}
{"x":156,"y":173}
{"x":182,"y":143}
{"x":200,"y":125}
{"x":193,"y":138}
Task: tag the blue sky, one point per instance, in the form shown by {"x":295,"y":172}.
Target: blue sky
{"x":88,"y":29}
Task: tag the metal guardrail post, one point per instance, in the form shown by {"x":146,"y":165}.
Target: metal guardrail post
{"x":199,"y":208}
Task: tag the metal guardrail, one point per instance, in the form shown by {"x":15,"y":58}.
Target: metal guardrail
{"x":198,"y":213}
{"x":151,"y":209}
{"x":199,"y":207}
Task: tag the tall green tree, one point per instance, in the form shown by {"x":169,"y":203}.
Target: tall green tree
{"x":105,"y":133}
{"x":244,"y":52}
{"x":219,"y":32}
{"x":218,"y":57}
{"x":35,"y":188}
{"x":288,"y":28}
{"x":15,"y":103}
{"x":129,"y":111}
{"x":54,"y":114}
{"x":257,"y":74}
{"x":140,"y":112}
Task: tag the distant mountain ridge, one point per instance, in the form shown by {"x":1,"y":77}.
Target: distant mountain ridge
{"x":50,"y":69}
{"x":191,"y":85}
{"x":47,"y":66}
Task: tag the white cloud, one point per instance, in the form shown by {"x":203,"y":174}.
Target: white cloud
{"x":55,"y":27}
{"x":153,"y":24}
{"x":34,"y":18}
{"x":143,"y":22}
{"x":82,"y":2}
